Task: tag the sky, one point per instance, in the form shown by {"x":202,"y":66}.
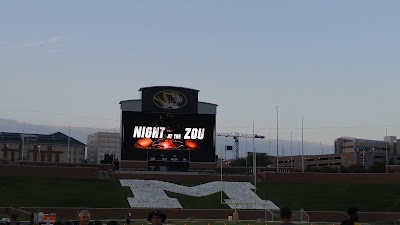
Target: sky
{"x":333,"y":63}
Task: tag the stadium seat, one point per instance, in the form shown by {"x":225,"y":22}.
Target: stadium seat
{"x":112,"y":222}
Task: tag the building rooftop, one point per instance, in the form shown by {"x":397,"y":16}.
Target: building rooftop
{"x":55,"y":138}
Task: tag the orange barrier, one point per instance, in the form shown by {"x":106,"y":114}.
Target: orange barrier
{"x":52,"y":218}
{"x":49,"y":218}
{"x":46,"y":217}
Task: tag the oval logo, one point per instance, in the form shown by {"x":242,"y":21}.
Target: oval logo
{"x":169,"y":99}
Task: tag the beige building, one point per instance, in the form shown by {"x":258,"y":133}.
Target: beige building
{"x":56,"y":147}
{"x":332,"y":160}
{"x":101,"y":143}
{"x":348,"y":151}
{"x":370,"y":151}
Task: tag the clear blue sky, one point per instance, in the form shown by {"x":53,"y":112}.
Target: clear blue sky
{"x":335,"y":63}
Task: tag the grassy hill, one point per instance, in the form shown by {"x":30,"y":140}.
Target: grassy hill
{"x":52,"y":192}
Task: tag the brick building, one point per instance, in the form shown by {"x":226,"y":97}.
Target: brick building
{"x":56,"y":147}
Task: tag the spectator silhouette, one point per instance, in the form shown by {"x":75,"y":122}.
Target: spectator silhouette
{"x":353,"y":213}
{"x":156,"y":217}
{"x":286,"y":216}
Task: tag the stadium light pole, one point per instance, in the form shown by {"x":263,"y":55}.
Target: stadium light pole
{"x":277,"y":141}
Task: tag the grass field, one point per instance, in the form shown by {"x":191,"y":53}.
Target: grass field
{"x":333,"y":197}
{"x":52,"y":192}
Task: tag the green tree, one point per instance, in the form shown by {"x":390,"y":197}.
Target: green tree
{"x":262,"y":159}
{"x":322,"y":169}
{"x":376,"y":168}
{"x":356,"y":168}
{"x":327,"y":169}
{"x":311,"y":169}
{"x":108,"y":159}
{"x":239,"y":162}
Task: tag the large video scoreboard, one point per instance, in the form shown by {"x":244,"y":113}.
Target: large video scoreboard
{"x":168,"y":137}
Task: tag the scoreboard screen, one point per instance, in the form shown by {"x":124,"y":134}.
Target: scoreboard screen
{"x":168,"y":137}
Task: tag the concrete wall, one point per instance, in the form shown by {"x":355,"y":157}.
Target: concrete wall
{"x":175,"y":177}
{"x":48,"y":171}
{"x":143,"y":165}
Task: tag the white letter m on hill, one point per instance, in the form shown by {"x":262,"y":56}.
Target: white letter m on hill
{"x":151,"y":194}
